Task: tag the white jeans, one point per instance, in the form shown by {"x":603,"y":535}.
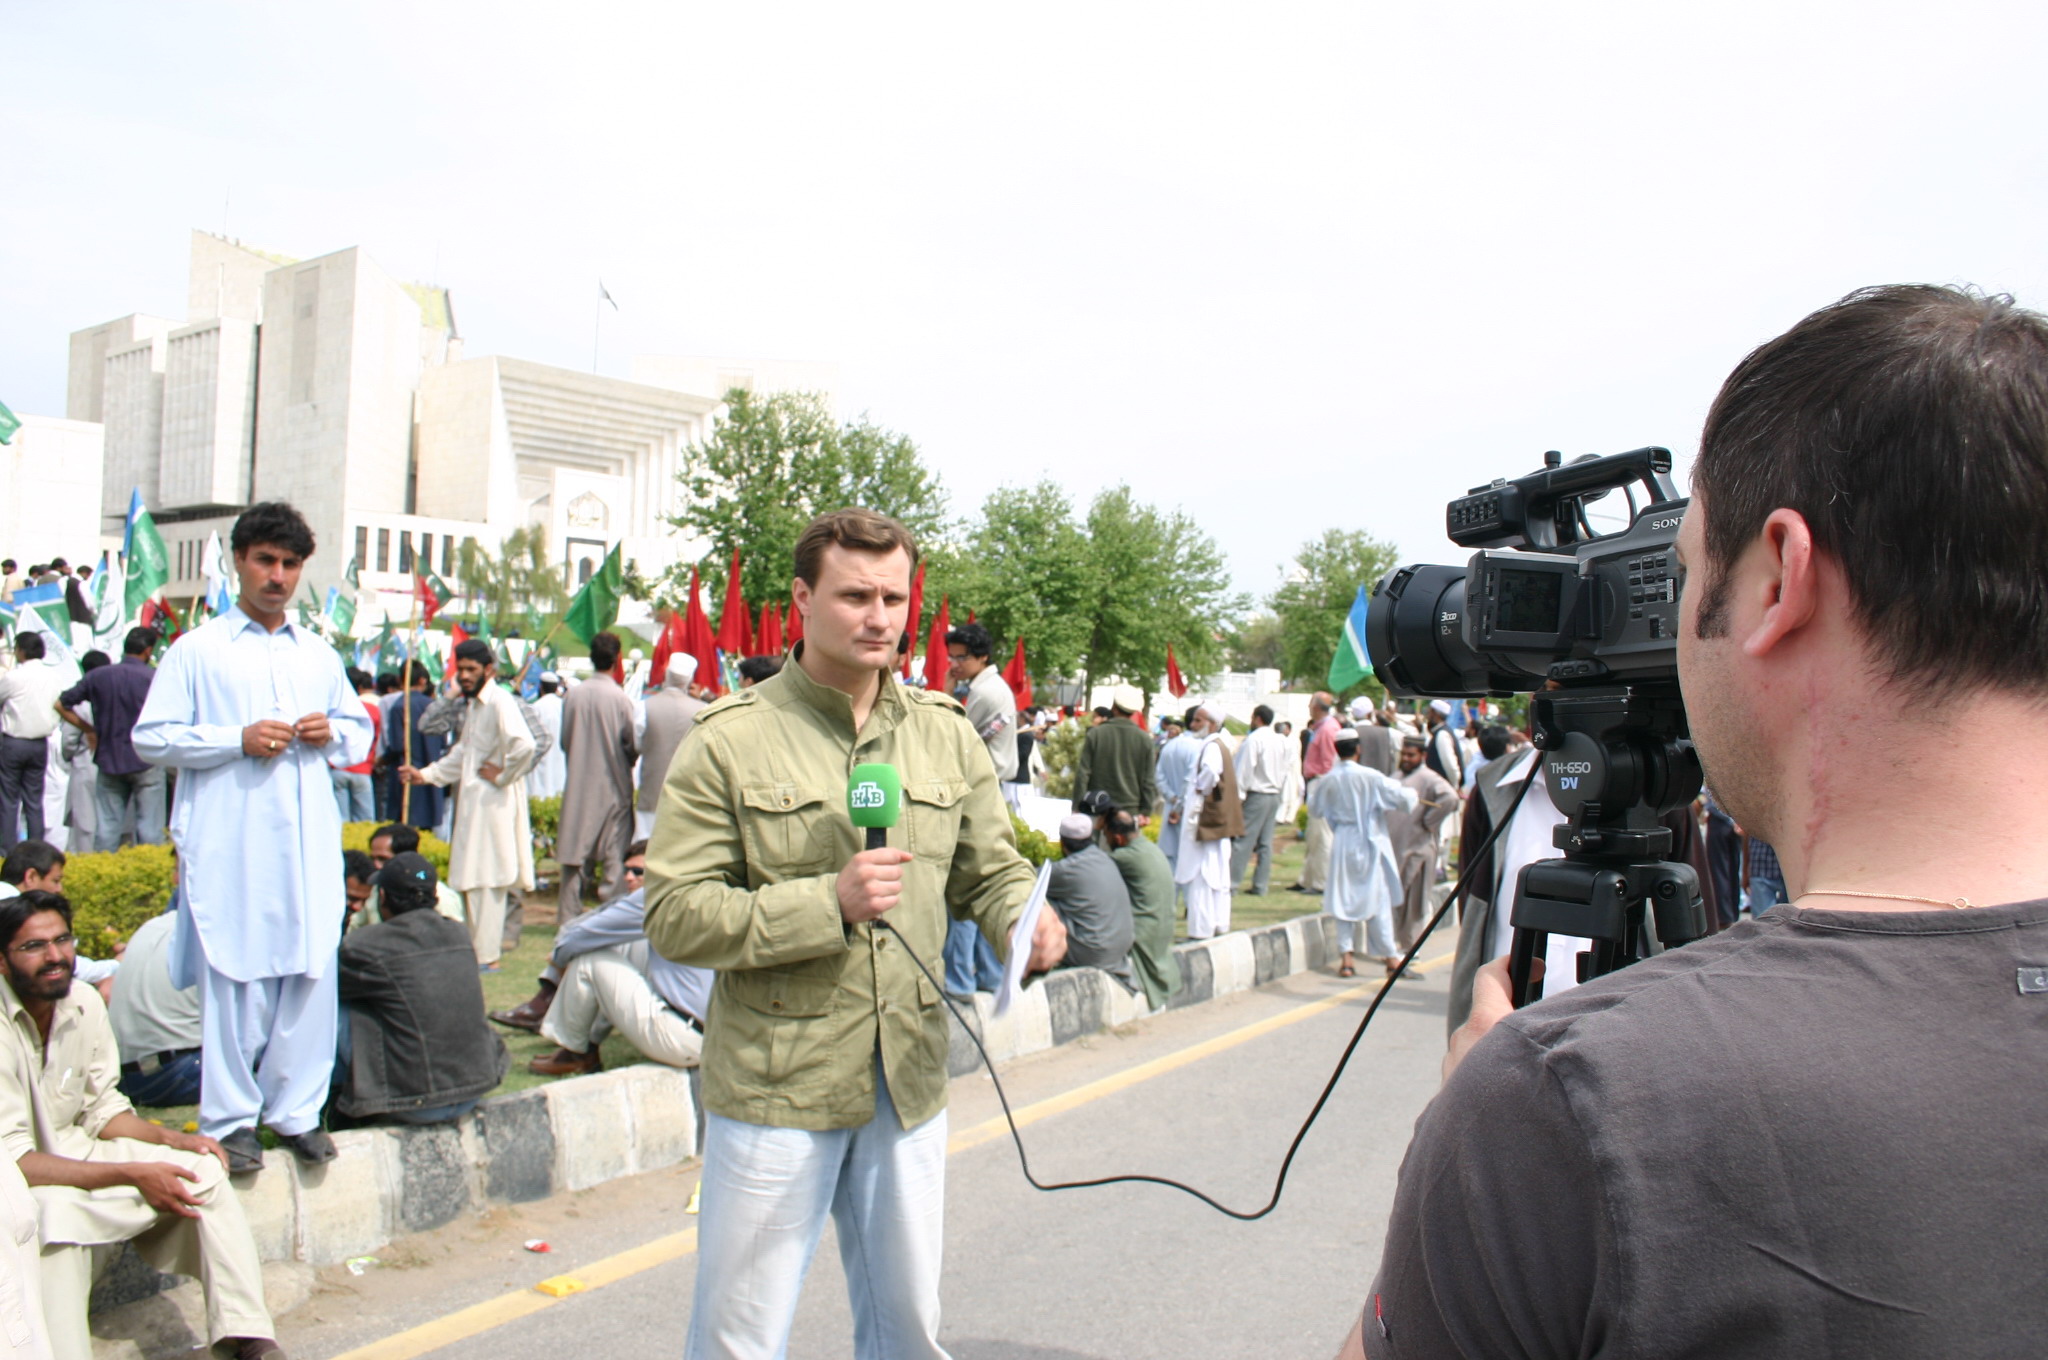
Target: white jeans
{"x":766,"y":1192}
{"x":609,"y":986}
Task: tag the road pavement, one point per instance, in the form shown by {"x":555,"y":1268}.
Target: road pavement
{"x":1210,"y":1095}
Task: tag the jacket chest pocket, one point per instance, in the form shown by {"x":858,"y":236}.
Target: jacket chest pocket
{"x":787,"y":831}
{"x":934,"y":807}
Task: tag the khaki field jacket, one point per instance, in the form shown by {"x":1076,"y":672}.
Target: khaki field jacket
{"x":749,"y":838}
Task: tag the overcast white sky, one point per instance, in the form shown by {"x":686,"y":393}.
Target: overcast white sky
{"x":1288,"y":267}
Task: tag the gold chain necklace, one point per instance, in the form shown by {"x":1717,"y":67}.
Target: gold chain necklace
{"x":1957,"y":903}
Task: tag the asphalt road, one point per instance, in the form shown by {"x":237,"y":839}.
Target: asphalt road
{"x":1211,"y":1096}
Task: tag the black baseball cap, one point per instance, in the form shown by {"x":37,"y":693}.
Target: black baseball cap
{"x":409,"y":872}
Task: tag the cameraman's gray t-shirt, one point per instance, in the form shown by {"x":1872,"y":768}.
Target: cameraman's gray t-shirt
{"x":1824,"y":1133}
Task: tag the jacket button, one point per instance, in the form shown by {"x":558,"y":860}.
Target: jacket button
{"x":775,"y":1005}
{"x":787,"y":800}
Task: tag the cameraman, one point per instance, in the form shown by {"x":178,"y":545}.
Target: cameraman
{"x":825,"y":1047}
{"x":1818,"y":1133}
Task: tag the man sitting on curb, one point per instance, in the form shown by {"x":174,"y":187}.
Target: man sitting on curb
{"x":100,"y":1174}
{"x":413,"y":1046}
{"x":156,"y":1023}
{"x":387,"y":843}
{"x":1148,"y":877}
{"x":603,"y":975}
{"x":1087,"y":890}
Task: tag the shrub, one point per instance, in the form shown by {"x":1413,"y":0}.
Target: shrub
{"x":1063,"y":757}
{"x":546,"y":816}
{"x":113,"y":893}
{"x":1033,"y":845}
{"x":356,"y":836}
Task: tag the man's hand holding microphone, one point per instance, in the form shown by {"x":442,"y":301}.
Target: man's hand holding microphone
{"x":872,"y":881}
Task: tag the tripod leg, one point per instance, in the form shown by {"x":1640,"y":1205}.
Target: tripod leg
{"x":1527,"y":947}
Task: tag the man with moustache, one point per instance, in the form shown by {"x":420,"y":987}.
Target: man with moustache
{"x":101,"y":1175}
{"x":253,"y":711}
{"x":1818,"y":1132}
{"x":824,"y":1057}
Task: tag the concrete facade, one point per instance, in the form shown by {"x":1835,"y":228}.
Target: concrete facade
{"x":336,"y":386}
{"x":50,"y":492}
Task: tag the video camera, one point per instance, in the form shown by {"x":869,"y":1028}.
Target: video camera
{"x":1589,"y":624}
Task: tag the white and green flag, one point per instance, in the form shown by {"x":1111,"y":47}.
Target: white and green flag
{"x":147,"y":565}
{"x":1351,"y":664}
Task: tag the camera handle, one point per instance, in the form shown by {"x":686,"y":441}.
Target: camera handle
{"x":1615,"y":759}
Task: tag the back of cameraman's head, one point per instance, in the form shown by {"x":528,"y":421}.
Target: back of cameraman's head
{"x":1493,"y":741}
{"x":1908,"y":425}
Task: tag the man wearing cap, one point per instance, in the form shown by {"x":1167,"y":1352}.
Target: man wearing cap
{"x":1210,"y":817}
{"x":666,"y":718}
{"x":1117,"y":757}
{"x":413,"y":1046}
{"x":824,"y":1068}
{"x":1088,"y":892}
{"x":1376,"y":741}
{"x":597,"y":802}
{"x":492,"y":851}
{"x":1365,"y":879}
{"x":1444,"y":754}
{"x":1148,"y":879}
{"x":1176,"y":762}
{"x":1414,"y":834}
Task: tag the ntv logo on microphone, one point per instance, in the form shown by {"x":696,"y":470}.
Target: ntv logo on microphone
{"x":867,"y":794}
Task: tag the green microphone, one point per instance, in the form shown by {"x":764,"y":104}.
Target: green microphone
{"x":874,"y":799}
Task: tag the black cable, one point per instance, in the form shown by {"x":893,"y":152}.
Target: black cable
{"x":1457,"y":894}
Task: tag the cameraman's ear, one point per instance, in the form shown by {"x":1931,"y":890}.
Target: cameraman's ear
{"x":1782,"y":567}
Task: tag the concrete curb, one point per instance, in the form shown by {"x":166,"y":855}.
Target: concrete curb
{"x":574,"y":1134}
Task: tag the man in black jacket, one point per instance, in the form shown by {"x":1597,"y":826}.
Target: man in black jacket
{"x":414,"y":1047}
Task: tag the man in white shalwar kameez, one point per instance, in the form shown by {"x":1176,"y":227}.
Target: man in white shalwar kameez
{"x":1202,"y":868}
{"x":551,"y":772}
{"x":1365,"y":878}
{"x":491,"y":853}
{"x":253,"y":712}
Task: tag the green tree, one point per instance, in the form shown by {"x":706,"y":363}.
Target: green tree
{"x":1158,"y":581}
{"x":1259,"y":643}
{"x":1317,"y":597}
{"x":1024,"y":567}
{"x":773,"y":464}
{"x":519,"y":577}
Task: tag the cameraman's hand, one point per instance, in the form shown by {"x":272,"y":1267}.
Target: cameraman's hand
{"x":1491,"y":1003}
{"x":1048,"y":942}
{"x":871,"y":883}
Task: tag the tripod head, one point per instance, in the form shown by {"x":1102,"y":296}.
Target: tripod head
{"x":1616,"y":759}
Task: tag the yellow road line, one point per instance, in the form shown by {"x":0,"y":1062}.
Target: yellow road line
{"x":482,"y":1317}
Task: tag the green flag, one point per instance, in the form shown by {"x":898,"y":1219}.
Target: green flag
{"x":148,"y":565}
{"x":533,"y":629}
{"x":353,"y":576}
{"x":430,"y":662}
{"x":9,"y":423}
{"x":390,"y":651}
{"x":596,"y":606}
{"x":341,"y":610}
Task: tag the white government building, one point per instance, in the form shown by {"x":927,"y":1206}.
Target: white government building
{"x":330,"y":384}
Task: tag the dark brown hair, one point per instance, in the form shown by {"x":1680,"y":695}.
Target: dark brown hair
{"x":1908,"y":425}
{"x":856,"y":529}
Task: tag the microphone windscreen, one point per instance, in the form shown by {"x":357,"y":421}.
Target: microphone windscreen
{"x":874,"y":796}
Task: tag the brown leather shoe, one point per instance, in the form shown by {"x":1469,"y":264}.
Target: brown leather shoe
{"x":567,"y":1063}
{"x":528,"y":1014}
{"x":258,"y":1348}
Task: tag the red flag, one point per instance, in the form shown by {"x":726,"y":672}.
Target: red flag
{"x":1017,"y":678}
{"x":430,"y":599}
{"x":792,"y":627}
{"x":936,"y":663}
{"x":770,"y":640}
{"x":913,"y":618}
{"x":735,"y":628}
{"x":619,"y":670}
{"x":697,"y":641}
{"x":1175,"y":686}
{"x":664,"y":648}
{"x":457,"y":635}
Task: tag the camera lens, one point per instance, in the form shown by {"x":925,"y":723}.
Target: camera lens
{"x":1415,"y":633}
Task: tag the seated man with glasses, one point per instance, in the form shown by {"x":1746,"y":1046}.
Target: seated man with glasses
{"x":100,"y":1174}
{"x":603,"y":976}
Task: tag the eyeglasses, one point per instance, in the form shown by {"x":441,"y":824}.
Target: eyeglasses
{"x":29,"y":949}
{"x":632,"y":872}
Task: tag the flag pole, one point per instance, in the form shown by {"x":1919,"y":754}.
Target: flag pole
{"x":411,"y":660}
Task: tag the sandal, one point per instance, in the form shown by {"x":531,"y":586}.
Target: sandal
{"x":1346,"y":970}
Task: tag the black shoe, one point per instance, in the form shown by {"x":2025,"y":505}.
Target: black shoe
{"x":244,"y":1150}
{"x":311,"y":1147}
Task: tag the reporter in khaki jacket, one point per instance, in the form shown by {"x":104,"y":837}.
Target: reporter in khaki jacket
{"x":755,"y":870}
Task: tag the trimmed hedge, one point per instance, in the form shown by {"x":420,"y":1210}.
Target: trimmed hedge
{"x":113,"y":893}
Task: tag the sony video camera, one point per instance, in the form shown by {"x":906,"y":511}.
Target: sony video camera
{"x":1589,"y":624}
{"x":1543,"y":598}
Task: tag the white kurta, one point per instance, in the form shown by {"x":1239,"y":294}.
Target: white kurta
{"x":259,"y":841}
{"x":1527,"y":840}
{"x":493,"y":844}
{"x":550,"y":774}
{"x":1203,"y":867}
{"x":1365,"y":878}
